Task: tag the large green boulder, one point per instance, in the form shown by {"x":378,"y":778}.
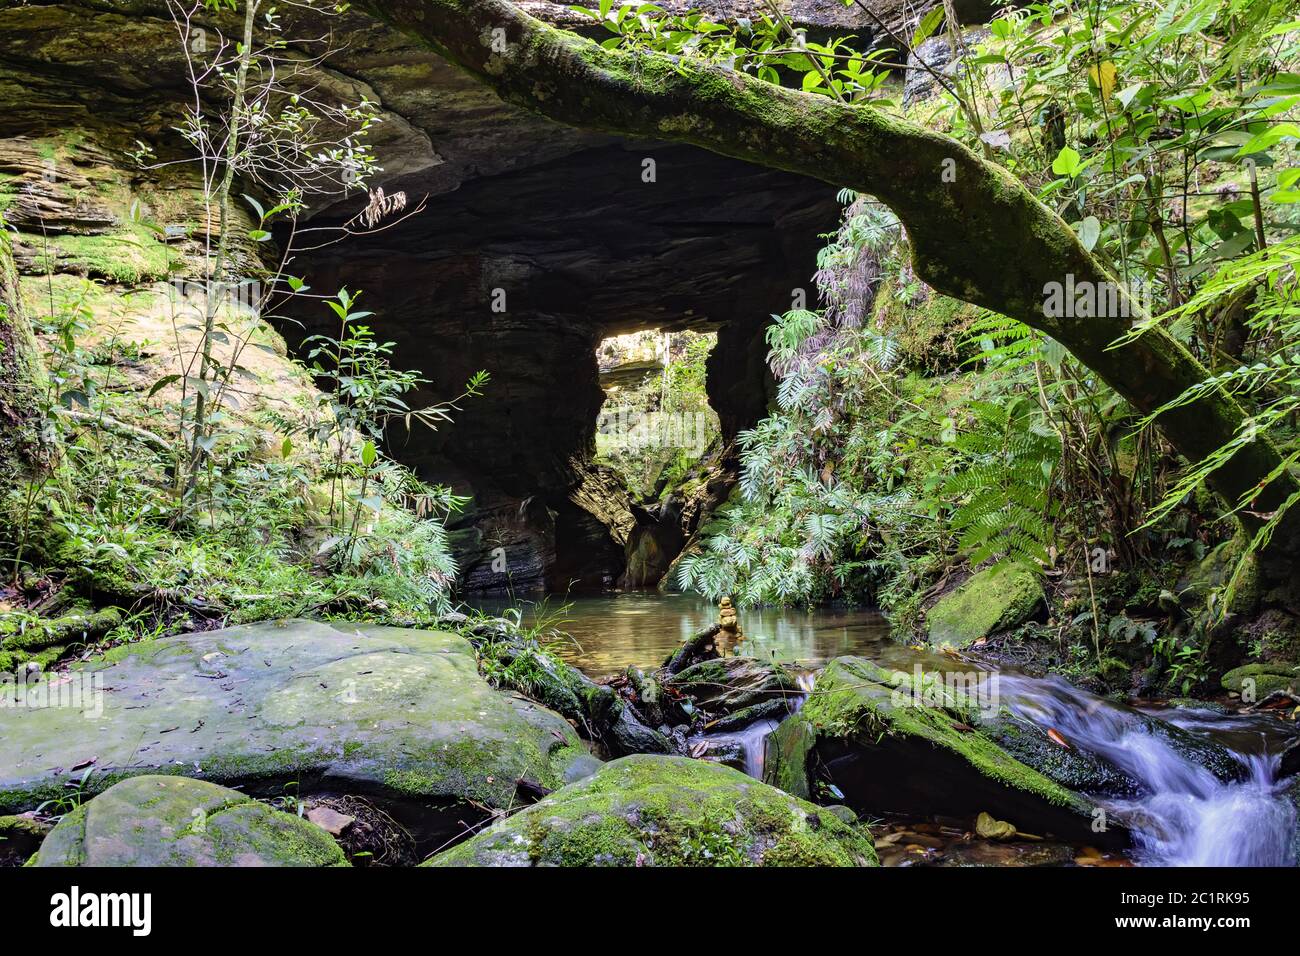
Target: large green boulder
{"x":889,"y":745}
{"x":174,"y":821}
{"x":395,"y":713}
{"x":668,"y":811}
{"x":995,"y":599}
{"x":1254,"y":682}
{"x":1224,"y":565}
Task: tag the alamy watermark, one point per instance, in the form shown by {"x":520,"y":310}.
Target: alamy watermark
{"x":1085,"y":299}
{"x":34,"y":690}
{"x":638,"y":430}
{"x":977,"y":690}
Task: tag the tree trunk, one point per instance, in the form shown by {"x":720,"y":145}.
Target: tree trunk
{"x":24,"y":454}
{"x":977,"y":234}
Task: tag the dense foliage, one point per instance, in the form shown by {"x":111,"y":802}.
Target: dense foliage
{"x":909,"y":429}
{"x":204,"y":474}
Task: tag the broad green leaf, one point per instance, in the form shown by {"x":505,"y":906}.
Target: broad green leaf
{"x":1067,"y":162}
{"x":1089,"y":232}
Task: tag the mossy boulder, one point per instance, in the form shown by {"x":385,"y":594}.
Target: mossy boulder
{"x":1256,"y":681}
{"x":1224,"y":565}
{"x":20,"y":836}
{"x":887,"y":749}
{"x":174,"y":821}
{"x":398,"y":713}
{"x":668,"y":811}
{"x":995,"y":599}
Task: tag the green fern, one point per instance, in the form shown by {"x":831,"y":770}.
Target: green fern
{"x":1004,"y":510}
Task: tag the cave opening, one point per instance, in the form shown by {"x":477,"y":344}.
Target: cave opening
{"x":534,"y":275}
{"x":660,"y":436}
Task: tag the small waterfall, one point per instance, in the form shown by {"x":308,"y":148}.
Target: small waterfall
{"x":1184,"y":815}
{"x":752,"y":740}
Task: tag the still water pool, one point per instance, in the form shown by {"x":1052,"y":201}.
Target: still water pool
{"x":608,"y":633}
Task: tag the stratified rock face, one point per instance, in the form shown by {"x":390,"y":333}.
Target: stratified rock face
{"x":888,"y":750}
{"x":173,"y":821}
{"x":668,"y":811}
{"x":993,"y":600}
{"x":402,"y":714}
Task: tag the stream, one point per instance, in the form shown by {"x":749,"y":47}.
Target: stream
{"x":1182,"y":815}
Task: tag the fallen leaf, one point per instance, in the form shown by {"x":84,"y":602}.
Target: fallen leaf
{"x":991,"y":829}
{"x":1103,"y":76}
{"x":1057,"y":739}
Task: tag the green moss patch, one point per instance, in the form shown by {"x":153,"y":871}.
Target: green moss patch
{"x":1257,"y":681}
{"x":173,"y":821}
{"x":992,"y":600}
{"x":668,"y":811}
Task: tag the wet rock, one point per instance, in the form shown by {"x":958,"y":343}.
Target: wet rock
{"x":1075,"y":769}
{"x":788,"y":757}
{"x":627,"y":734}
{"x":173,"y":821}
{"x":992,"y":600}
{"x":20,"y":836}
{"x":885,"y":751}
{"x":667,"y":811}
{"x":728,"y":685}
{"x":1289,"y":763}
{"x":401,"y":714}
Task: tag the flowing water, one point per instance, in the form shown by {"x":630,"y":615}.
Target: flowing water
{"x":1182,"y":814}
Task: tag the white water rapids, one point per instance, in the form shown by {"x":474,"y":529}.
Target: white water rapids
{"x":1183,"y":815}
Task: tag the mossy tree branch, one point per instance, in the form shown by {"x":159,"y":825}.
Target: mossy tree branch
{"x":977,"y":234}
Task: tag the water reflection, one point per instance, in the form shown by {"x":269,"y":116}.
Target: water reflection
{"x":610,"y":632}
